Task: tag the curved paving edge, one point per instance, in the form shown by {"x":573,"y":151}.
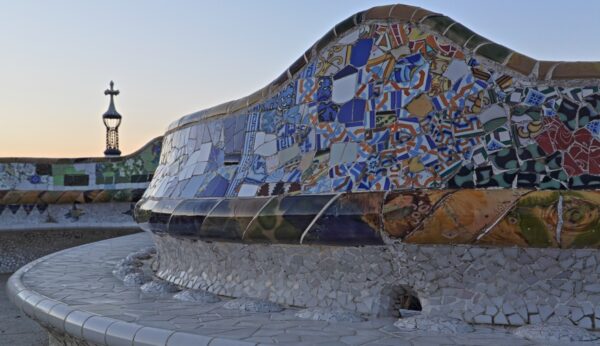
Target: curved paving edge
{"x":544,"y":71}
{"x":93,"y":328}
{"x":76,"y":298}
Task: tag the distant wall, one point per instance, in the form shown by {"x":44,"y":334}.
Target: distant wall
{"x":50,"y":204}
{"x":41,"y":193}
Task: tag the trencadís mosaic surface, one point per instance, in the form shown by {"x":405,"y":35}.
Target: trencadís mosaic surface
{"x":33,"y":184}
{"x":398,"y":124}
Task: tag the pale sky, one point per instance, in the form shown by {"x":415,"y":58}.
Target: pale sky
{"x":172,"y":58}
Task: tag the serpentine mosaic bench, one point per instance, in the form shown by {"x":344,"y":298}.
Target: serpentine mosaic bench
{"x":399,"y":129}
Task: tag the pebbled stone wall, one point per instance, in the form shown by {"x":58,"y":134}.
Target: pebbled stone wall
{"x":503,"y":286}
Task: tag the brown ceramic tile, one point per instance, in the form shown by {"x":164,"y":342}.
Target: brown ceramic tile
{"x":545,"y":67}
{"x":91,"y":195}
{"x":29,"y":197}
{"x":420,"y":106}
{"x":70,"y":197}
{"x":50,"y":197}
{"x":379,"y":12}
{"x":103,"y":197}
{"x":421,"y":14}
{"x":403,"y":12}
{"x":462,"y":216}
{"x":403,"y":211}
{"x":577,"y":70}
{"x":521,"y":63}
{"x":12,"y":197}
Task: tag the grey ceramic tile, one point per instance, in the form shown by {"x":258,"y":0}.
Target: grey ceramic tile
{"x":57,"y":315}
{"x":149,"y":336}
{"x":74,"y":322}
{"x":186,"y":339}
{"x":94,"y":329}
{"x":121,"y":333}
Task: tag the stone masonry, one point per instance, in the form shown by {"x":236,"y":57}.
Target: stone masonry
{"x":502,"y":286}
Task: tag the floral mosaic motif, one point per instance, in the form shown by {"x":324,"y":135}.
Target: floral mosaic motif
{"x":391,"y":132}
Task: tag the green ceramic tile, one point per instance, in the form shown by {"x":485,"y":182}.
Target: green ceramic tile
{"x":284,"y":219}
{"x":459,"y":33}
{"x":475,"y":41}
{"x":438,"y":23}
{"x":230,"y":218}
{"x":494,"y":52}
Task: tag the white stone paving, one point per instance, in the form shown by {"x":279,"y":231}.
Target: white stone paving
{"x":82,"y":279}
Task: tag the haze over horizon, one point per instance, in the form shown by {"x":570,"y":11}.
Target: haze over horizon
{"x":170,"y":59}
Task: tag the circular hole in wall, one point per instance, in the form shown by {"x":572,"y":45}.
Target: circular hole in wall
{"x":408,"y":301}
{"x":399,"y":301}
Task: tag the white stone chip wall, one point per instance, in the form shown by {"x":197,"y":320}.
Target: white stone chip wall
{"x":505,"y":286}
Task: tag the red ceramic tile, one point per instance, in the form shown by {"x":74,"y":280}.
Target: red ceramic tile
{"x":571,"y":166}
{"x":583,"y":137}
{"x":580,"y":155}
{"x":563,"y":138}
{"x":544,"y":140}
{"x":594,"y":161}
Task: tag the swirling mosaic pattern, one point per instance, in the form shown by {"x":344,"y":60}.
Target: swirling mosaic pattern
{"x":391,"y":106}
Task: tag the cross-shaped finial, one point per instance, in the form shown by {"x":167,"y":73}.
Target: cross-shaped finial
{"x":111,"y":91}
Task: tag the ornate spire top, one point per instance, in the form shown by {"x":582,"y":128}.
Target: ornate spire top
{"x":112,"y":111}
{"x":112,"y":120}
